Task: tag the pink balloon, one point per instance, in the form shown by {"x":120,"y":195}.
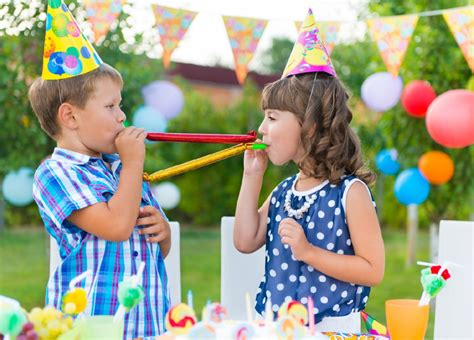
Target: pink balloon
{"x":450,"y":119}
{"x":417,"y":97}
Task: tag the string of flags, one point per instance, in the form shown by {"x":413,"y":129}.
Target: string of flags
{"x":391,"y":34}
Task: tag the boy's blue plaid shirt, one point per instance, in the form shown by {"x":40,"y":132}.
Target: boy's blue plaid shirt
{"x":70,"y":181}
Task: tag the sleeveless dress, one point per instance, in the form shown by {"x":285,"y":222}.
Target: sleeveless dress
{"x":325,"y":226}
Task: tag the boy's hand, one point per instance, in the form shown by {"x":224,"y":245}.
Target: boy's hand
{"x":255,"y":161}
{"x":130,"y":145}
{"x":292,"y":233}
{"x":154,"y":225}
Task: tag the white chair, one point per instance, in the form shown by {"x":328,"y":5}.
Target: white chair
{"x":454,"y":317}
{"x":172,"y":262}
{"x":240,"y":273}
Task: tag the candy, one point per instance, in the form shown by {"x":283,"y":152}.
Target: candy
{"x":295,"y":310}
{"x":180,"y":319}
{"x":130,"y":294}
{"x":216,"y":313}
{"x":74,"y":301}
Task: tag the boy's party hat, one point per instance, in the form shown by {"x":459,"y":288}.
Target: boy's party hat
{"x":67,"y":52}
{"x":309,"y":54}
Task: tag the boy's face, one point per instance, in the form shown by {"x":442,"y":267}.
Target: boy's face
{"x":101,"y":120}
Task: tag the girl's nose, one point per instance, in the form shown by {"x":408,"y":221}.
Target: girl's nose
{"x":262,"y":128}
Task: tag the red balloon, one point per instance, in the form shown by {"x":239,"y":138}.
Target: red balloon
{"x":450,"y":119}
{"x":417,"y":97}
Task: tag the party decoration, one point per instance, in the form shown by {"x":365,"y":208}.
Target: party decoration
{"x":179,"y":319}
{"x":381,"y":91}
{"x":289,"y":328}
{"x":215,"y":312}
{"x":243,"y":331}
{"x":294,"y":309}
{"x":433,"y":279}
{"x":130,"y":293}
{"x":75,"y":299}
{"x":461,"y":23}
{"x":244,"y":35}
{"x":167,"y":194}
{"x":17,"y":187}
{"x":393,"y":35}
{"x":165,"y":97}
{"x":202,"y":137}
{"x":436,"y":166}
{"x":417,"y":97}
{"x":373,"y":326}
{"x":12,"y":318}
{"x":67,"y":53}
{"x":102,"y":14}
{"x":309,"y":54}
{"x":411,"y":187}
{"x":386,"y":162}
{"x":172,"y":25}
{"x":450,"y":119}
{"x":149,"y":119}
{"x":353,"y":336}
{"x":202,"y":161}
{"x":328,"y":32}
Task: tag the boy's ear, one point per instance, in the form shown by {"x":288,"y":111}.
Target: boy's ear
{"x":66,"y":116}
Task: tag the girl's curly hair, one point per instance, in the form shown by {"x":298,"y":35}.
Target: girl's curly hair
{"x":319,"y":101}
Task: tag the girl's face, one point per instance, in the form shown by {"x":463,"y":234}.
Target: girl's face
{"x":281,"y":131}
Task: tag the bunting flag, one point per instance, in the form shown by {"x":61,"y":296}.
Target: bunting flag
{"x":461,"y":24}
{"x":102,"y":14}
{"x":244,"y":35}
{"x":172,"y":26}
{"x":392,"y":35}
{"x":328,"y":32}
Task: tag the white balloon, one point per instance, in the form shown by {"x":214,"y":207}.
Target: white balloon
{"x":167,"y":194}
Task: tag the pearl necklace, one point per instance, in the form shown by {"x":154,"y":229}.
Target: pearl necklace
{"x":298,"y":213}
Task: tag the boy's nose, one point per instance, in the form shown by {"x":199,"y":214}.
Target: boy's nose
{"x":122,"y":116}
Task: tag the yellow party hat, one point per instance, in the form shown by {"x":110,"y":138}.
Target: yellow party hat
{"x":309,"y":54}
{"x":67,"y":52}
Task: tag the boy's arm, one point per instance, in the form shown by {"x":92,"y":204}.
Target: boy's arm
{"x":114,"y":220}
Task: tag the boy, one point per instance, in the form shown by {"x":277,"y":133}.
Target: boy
{"x":92,"y":199}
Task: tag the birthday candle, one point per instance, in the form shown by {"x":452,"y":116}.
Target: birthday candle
{"x":268,"y":312}
{"x":202,"y":137}
{"x":190,"y":299}
{"x":249,"y":309}
{"x":311,"y":315}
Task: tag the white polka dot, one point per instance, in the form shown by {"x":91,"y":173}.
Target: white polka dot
{"x":324,"y":299}
{"x":273,"y":273}
{"x":288,"y":298}
{"x":350,"y":302}
{"x":302,"y":279}
{"x":340,"y":251}
{"x":308,"y":218}
{"x":268,"y":220}
{"x":331,"y":203}
{"x":335,"y":308}
{"x":339,"y":232}
{"x":264,"y":299}
{"x":270,"y":237}
{"x":276,"y":252}
{"x":311,"y":225}
{"x":304,"y":300}
{"x":364,"y":300}
{"x":321,"y":214}
{"x":337,"y":211}
{"x":277,"y":204}
{"x":333,"y":287}
{"x":322,"y":193}
{"x":348,"y":242}
{"x":310,"y":269}
{"x":259,"y":290}
{"x":344,"y":294}
{"x":315,"y":310}
{"x":359,"y":290}
{"x":330,"y":246}
{"x":292,"y":278}
{"x":333,"y":185}
{"x":346,"y":182}
{"x":269,"y":294}
{"x":293,"y":258}
{"x":322,"y":278}
{"x":320,"y":236}
{"x":286,"y":246}
{"x":268,"y":258}
{"x":285,"y":184}
{"x":278,"y":218}
{"x":280,"y":286}
{"x":273,"y":200}
{"x":275,"y":308}
{"x":330,"y":224}
{"x":313,"y":289}
{"x":284,"y":266}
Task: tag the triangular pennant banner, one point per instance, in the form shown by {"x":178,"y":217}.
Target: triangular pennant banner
{"x":392,"y":35}
{"x":102,"y":14}
{"x":244,"y":35}
{"x":328,"y":32}
{"x":172,"y":25}
{"x":461,"y":24}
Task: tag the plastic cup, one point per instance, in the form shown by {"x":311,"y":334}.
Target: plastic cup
{"x":406,"y":320}
{"x":102,"y":327}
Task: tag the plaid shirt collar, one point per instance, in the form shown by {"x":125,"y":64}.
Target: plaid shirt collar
{"x":68,"y":156}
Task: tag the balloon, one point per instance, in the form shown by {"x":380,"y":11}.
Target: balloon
{"x":386,"y":162}
{"x":17,"y":187}
{"x":436,"y":166}
{"x":164,"y":97}
{"x":450,"y":119}
{"x":149,"y":119}
{"x":167,"y":194}
{"x":381,"y":91}
{"x":416,"y":97}
{"x":411,"y":187}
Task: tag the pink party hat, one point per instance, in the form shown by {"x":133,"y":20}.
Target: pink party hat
{"x":309,"y":54}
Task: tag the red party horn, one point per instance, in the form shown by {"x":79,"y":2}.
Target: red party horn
{"x":202,"y":137}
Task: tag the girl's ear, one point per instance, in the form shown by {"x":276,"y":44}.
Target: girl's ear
{"x":312,"y":130}
{"x":66,"y":116}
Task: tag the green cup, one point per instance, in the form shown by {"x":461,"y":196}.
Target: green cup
{"x":102,"y":327}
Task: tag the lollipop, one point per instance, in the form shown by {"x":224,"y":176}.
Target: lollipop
{"x":75,"y":299}
{"x":180,"y":319}
{"x":294,"y":309}
{"x":12,"y":318}
{"x":288,"y":327}
{"x":130,"y":293}
{"x":215,"y":312}
{"x":433,"y":279}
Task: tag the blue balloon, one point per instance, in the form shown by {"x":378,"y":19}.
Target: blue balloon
{"x":381,"y":91}
{"x":386,"y":162}
{"x":149,"y":119}
{"x":17,"y":187}
{"x":411,"y":187}
{"x":164,"y":97}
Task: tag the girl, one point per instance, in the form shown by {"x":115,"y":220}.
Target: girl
{"x":320,"y":227}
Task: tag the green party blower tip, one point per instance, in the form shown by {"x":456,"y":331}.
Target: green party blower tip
{"x":259,"y":146}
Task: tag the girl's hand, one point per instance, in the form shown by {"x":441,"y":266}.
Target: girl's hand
{"x":154,"y":225}
{"x":255,"y":161}
{"x":130,"y":145}
{"x":292,"y":233}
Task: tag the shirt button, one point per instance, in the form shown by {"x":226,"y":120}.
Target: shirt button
{"x":135,"y":253}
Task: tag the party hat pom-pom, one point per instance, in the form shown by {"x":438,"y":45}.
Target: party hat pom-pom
{"x":12,"y":321}
{"x":130,"y":294}
{"x":432,"y":283}
{"x":180,"y":319}
{"x":288,"y":327}
{"x":74,"y":301}
{"x":294,"y":309}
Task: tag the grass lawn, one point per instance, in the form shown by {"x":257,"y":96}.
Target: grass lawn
{"x":24,"y":268}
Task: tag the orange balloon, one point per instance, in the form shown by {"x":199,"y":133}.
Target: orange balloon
{"x":436,"y":166}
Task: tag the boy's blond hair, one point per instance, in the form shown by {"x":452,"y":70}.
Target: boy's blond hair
{"x":46,"y":96}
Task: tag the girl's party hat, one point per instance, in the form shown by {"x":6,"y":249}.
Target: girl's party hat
{"x":67,"y":52}
{"x":309,"y":54}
